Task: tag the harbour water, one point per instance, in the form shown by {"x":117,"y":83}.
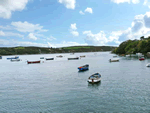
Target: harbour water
{"x":57,"y":86}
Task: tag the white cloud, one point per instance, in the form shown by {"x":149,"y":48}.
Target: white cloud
{"x":70,"y":4}
{"x":32,"y":37}
{"x":120,"y":1}
{"x":75,"y":33}
{"x":89,"y":10}
{"x":135,"y":1}
{"x":66,"y":44}
{"x":81,"y":12}
{"x":28,"y":27}
{"x":50,"y":38}
{"x":73,"y":29}
{"x":73,"y":26}
{"x":5,"y":27}
{"x":145,"y":2}
{"x":96,"y":39}
{"x":13,"y":43}
{"x":13,"y":34}
{"x":128,"y":1}
{"x":2,"y":33}
{"x":9,"y":6}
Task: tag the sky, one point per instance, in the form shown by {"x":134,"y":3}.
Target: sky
{"x":62,"y":23}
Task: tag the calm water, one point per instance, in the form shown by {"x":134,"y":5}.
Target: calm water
{"x":57,"y":86}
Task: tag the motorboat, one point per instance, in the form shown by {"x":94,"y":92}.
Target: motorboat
{"x":49,"y":58}
{"x":83,"y":68}
{"x":76,"y":58}
{"x":15,"y":60}
{"x":148,"y":65}
{"x":33,"y":62}
{"x":114,"y":60}
{"x":95,"y":78}
{"x":16,"y":57}
{"x":0,"y":57}
{"x":142,"y":58}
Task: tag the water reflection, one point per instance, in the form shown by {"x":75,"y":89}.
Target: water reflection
{"x":83,"y":71}
{"x":94,"y":85}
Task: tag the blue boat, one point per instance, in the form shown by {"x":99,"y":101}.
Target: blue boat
{"x":83,"y":68}
{"x":0,"y":57}
{"x":16,"y":57}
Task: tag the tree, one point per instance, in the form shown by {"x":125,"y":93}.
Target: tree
{"x":142,"y":37}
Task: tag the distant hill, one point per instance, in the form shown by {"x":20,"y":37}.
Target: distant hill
{"x":44,"y":50}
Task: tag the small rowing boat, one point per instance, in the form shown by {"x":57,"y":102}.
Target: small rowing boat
{"x":83,"y":68}
{"x":82,"y":56}
{"x":49,"y":58}
{"x":95,"y":78}
{"x":76,"y":58}
{"x":15,"y":60}
{"x":114,"y":60}
{"x":60,"y":56}
{"x":16,"y":57}
{"x":142,"y":58}
{"x":33,"y":62}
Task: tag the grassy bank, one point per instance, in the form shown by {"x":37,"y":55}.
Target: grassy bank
{"x":43,"y":50}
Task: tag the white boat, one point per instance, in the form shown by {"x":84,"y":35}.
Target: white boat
{"x":148,"y":65}
{"x":13,"y":60}
{"x":114,"y":60}
{"x":95,"y":78}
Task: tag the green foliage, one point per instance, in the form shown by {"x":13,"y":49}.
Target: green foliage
{"x":134,"y":46}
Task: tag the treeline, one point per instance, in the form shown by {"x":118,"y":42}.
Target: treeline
{"x":134,"y":46}
{"x":43,"y":50}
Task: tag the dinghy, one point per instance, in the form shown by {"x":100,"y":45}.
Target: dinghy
{"x":76,"y":58}
{"x":49,"y":58}
{"x":83,"y":68}
{"x":114,"y":60}
{"x":95,"y":78}
{"x":33,"y":62}
{"x":148,"y":65}
{"x":15,"y":60}
{"x":142,"y":58}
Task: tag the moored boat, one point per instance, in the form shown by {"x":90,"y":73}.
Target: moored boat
{"x":114,"y":56}
{"x":60,"y":56}
{"x":83,"y":68}
{"x":95,"y":78}
{"x":33,"y":62}
{"x":0,"y":57}
{"x":41,"y":57}
{"x":76,"y":58}
{"x":148,"y":65}
{"x":16,"y":57}
{"x":13,"y":60}
{"x":82,"y":56}
{"x":114,"y":60}
{"x":142,"y":58}
{"x":49,"y":58}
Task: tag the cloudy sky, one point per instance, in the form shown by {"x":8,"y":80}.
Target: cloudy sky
{"x":58,"y":23}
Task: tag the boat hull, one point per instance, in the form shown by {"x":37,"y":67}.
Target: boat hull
{"x":148,"y":65}
{"x":73,"y":58}
{"x":49,"y":58}
{"x":84,"y":68}
{"x":33,"y":62}
{"x":12,"y":58}
{"x":141,"y":59}
{"x":15,"y":60}
{"x":94,"y":80}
